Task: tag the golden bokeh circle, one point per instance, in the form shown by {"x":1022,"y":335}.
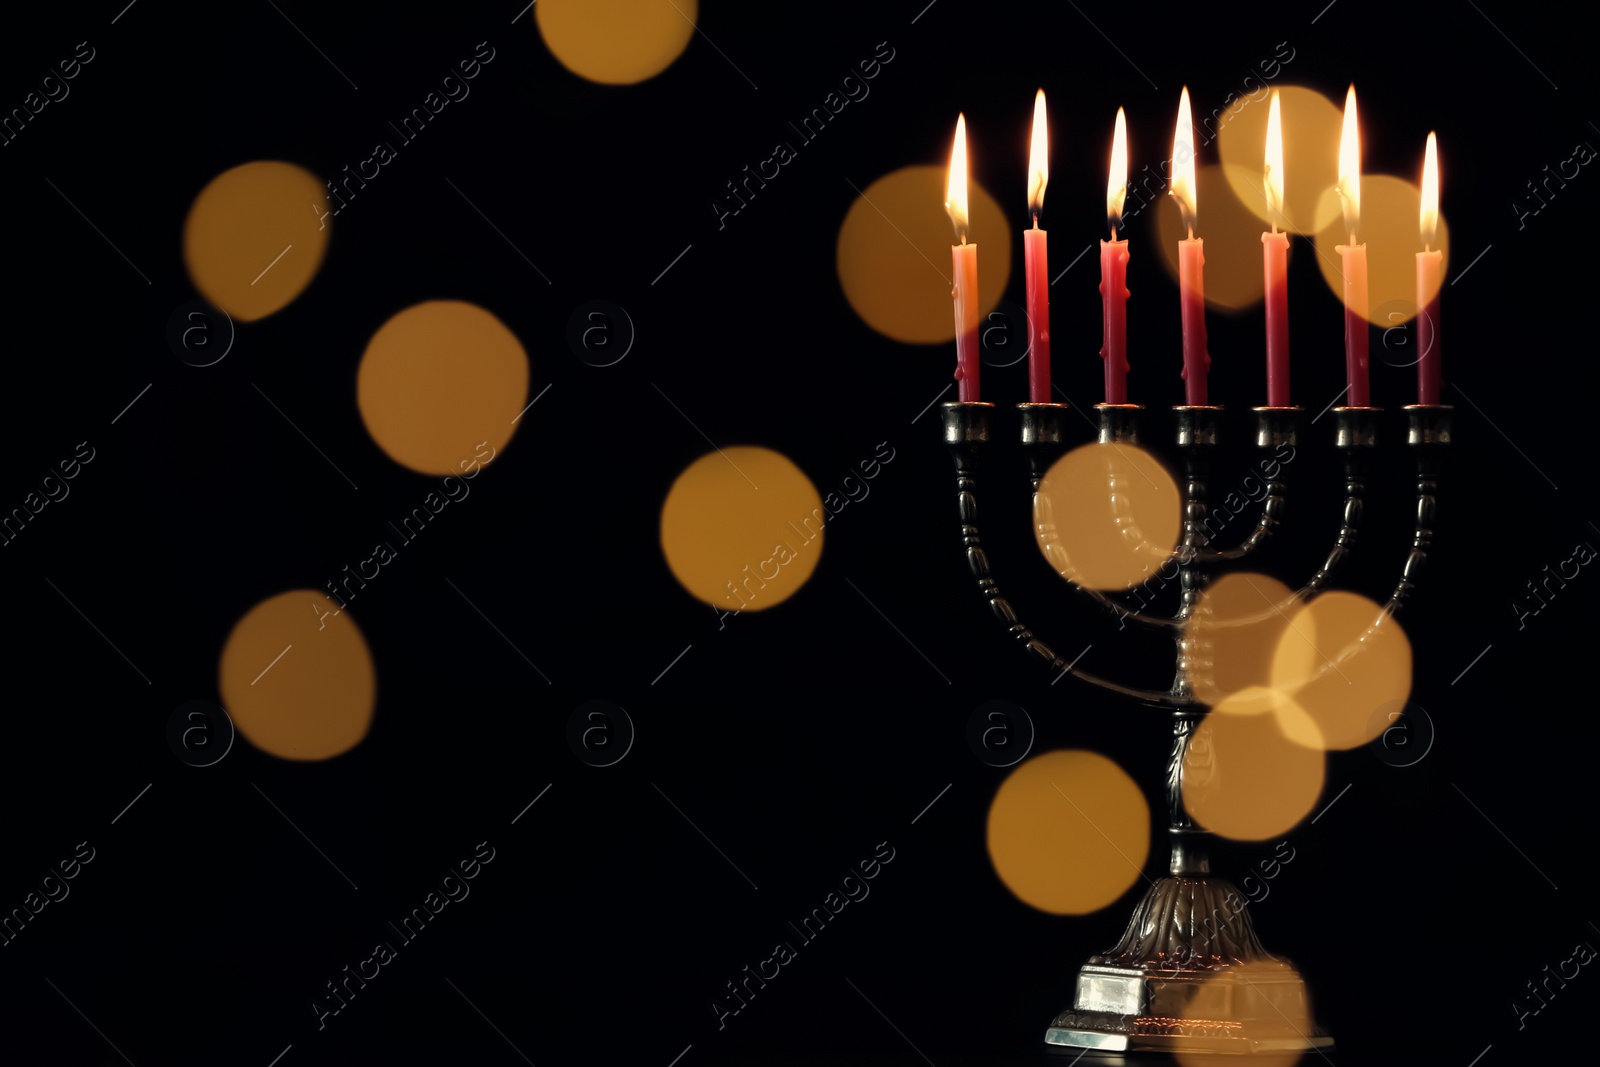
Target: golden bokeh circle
{"x":894,"y":254}
{"x":1232,"y":274}
{"x":1389,"y":209}
{"x":296,"y":677}
{"x":439,"y":380}
{"x":1311,"y":125}
{"x":1342,"y":658}
{"x":1260,"y":1004}
{"x":1069,"y":832}
{"x":1108,"y":516}
{"x":1251,"y":776}
{"x":255,"y":236}
{"x":1233,"y":632}
{"x":616,"y":42}
{"x":742,"y":528}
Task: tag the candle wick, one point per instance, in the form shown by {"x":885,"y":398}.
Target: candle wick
{"x":1191,"y":233}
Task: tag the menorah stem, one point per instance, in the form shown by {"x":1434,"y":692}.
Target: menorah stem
{"x":1197,"y":437}
{"x":1188,"y":853}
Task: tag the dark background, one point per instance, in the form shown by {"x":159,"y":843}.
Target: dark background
{"x":795,"y":739}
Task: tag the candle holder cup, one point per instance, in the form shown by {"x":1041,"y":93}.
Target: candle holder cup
{"x":1192,"y":930}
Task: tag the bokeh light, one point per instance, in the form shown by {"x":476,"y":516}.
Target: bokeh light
{"x":1107,"y":516}
{"x":1233,"y":634}
{"x":1248,"y":775}
{"x":1342,"y":664}
{"x":1069,"y":832}
{"x":894,"y":254}
{"x":296,"y":677}
{"x":439,"y":380}
{"x":1261,"y":1004}
{"x":1311,"y":126}
{"x":742,"y":528}
{"x":616,"y":42}
{"x":1232,"y":236}
{"x":1389,"y":209}
{"x":255,"y":236}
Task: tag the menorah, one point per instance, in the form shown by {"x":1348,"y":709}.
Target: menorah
{"x":1191,"y":927}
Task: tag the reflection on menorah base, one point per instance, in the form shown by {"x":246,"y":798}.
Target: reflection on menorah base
{"x":1189,"y":975}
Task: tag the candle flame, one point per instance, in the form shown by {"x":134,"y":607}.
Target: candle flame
{"x":1430,"y":193}
{"x":1183,"y":183}
{"x":1274,"y":163}
{"x":955,"y":196}
{"x":1350,"y":166}
{"x":1117,"y":180}
{"x":1038,"y":159}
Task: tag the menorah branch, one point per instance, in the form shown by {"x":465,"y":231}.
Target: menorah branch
{"x":966,"y":433}
{"x":1428,"y":434}
{"x":1355,"y":436}
{"x":1276,"y":428}
{"x":1044,"y":440}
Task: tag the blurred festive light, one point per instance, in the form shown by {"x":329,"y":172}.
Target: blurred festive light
{"x":616,"y":42}
{"x":255,"y":236}
{"x":1107,"y":516}
{"x":296,"y":676}
{"x":1233,"y":278}
{"x":1233,"y":633}
{"x":1311,"y":126}
{"x":1389,"y":210}
{"x":1068,"y":832}
{"x":742,"y":528}
{"x":1259,"y":1004}
{"x":1343,"y":658}
{"x":440,"y":383}
{"x":894,"y":254}
{"x":1251,"y":775}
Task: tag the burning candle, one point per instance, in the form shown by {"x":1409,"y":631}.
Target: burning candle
{"x":1191,"y":257}
{"x":1037,"y":260}
{"x":1353,"y":259}
{"x":964,"y":259}
{"x":1275,"y":264}
{"x":1430,"y":270}
{"x":1114,"y":272}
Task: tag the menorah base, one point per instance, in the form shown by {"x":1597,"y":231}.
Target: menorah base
{"x":1166,"y":1029}
{"x":1189,"y":975}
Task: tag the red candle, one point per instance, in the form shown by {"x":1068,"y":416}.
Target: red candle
{"x":1191,"y":257}
{"x":964,"y":261}
{"x":1430,"y":274}
{"x":1353,"y":263}
{"x":1037,"y":261}
{"x":1353,"y":260}
{"x":1114,"y":273}
{"x":1275,"y":265}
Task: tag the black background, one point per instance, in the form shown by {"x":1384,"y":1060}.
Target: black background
{"x":796,"y":739}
